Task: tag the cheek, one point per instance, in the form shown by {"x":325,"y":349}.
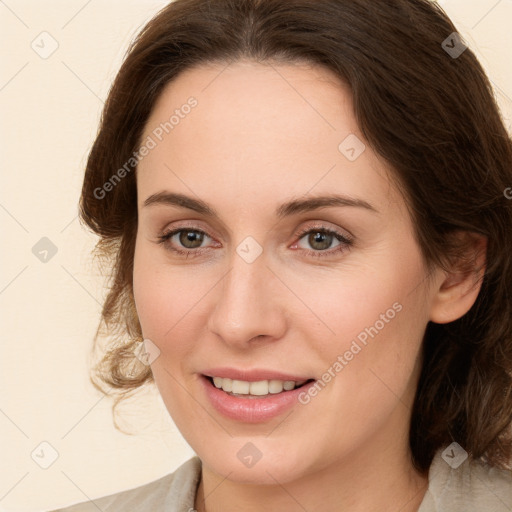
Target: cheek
{"x":162,"y":301}
{"x":376,"y":317}
{"x":152,"y":296}
{"x":360,"y":302}
{"x":169,"y":303}
{"x":155,"y":295}
{"x":152,"y":289}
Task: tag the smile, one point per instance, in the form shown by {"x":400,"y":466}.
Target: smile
{"x":259,"y":388}
{"x":252,"y":401}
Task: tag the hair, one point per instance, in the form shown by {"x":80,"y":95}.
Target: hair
{"x":435,"y":120}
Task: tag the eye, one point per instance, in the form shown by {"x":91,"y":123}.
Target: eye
{"x":322,"y":238}
{"x":188,"y":238}
{"x":187,"y":241}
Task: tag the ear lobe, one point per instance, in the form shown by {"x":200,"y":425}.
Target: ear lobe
{"x":459,"y":288}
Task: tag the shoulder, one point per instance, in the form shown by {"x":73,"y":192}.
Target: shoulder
{"x":174,"y":493}
{"x":470,"y":486}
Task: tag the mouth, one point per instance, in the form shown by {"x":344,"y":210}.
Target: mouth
{"x":253,"y":396}
{"x":255,"y":389}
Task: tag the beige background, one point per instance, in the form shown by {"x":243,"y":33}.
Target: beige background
{"x":49,"y":114}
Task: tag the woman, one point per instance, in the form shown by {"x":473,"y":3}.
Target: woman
{"x":305,"y":205}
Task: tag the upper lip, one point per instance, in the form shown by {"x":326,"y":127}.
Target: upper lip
{"x":252,"y":375}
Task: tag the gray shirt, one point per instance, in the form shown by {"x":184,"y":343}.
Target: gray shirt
{"x":471,"y":487}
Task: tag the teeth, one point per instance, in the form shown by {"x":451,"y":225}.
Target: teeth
{"x":288,"y":385}
{"x":259,"y":388}
{"x":275,"y":386}
{"x":240,"y":387}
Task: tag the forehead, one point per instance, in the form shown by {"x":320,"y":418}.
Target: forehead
{"x":258,"y":127}
{"x":290,"y":101}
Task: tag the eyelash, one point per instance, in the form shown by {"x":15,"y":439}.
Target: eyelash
{"x":345,"y":242}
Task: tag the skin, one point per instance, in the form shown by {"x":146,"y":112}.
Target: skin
{"x":262,"y":135}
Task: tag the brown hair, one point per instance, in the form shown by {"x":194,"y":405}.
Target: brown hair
{"x":431,"y":115}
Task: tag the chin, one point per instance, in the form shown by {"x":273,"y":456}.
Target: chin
{"x":255,"y":460}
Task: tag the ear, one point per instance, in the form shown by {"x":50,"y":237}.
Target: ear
{"x":458,"y":288}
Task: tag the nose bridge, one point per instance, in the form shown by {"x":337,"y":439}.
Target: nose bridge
{"x":246,"y":303}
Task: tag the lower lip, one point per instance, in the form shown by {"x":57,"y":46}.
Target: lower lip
{"x":252,"y":410}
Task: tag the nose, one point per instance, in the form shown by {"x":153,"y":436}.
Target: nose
{"x":249,"y":303}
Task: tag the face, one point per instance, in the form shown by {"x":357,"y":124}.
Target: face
{"x":249,"y":280}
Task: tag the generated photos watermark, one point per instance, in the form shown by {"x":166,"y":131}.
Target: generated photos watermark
{"x":149,"y":144}
{"x":357,"y":345}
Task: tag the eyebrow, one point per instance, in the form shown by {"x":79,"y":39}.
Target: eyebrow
{"x":289,"y":208}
